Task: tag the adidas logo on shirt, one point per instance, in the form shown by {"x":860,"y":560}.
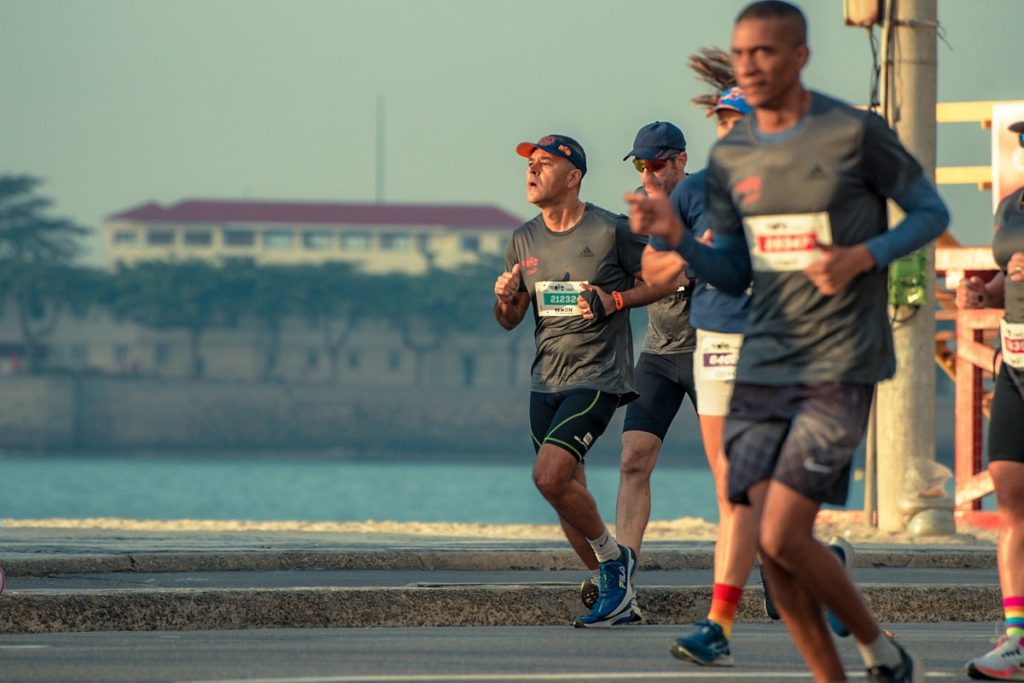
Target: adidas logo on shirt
{"x":586,"y":253}
{"x":817,"y":173}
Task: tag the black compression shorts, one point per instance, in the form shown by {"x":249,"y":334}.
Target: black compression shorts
{"x":662,"y":381}
{"x":571,"y":419}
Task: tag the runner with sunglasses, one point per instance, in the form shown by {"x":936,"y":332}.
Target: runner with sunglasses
{"x":664,"y":371}
{"x":796,"y":194}
{"x":719,"y":319}
{"x":576,"y":264}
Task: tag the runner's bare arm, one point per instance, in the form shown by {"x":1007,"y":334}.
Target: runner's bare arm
{"x":511,"y":314}
{"x":973,"y":292}
{"x":512,"y":303}
{"x":644,"y":292}
{"x":640,"y":294}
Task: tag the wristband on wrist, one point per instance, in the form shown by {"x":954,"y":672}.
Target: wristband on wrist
{"x":619,"y":303}
{"x":659,"y":244}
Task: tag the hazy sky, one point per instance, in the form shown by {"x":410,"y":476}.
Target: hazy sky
{"x":117,"y":102}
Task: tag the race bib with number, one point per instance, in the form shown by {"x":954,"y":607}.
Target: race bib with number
{"x":718,"y":355}
{"x":1012,"y":336}
{"x":786,"y":242}
{"x":558,"y":299}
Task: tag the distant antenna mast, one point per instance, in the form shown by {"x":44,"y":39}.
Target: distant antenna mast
{"x":381,"y":135}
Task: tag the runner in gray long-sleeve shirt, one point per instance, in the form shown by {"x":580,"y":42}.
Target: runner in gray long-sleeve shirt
{"x":796,"y":196}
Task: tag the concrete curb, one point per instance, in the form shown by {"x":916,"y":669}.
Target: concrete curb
{"x":45,"y":611}
{"x":469,"y":560}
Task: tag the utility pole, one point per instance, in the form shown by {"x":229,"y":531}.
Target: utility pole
{"x":380,"y":166}
{"x":905,"y":405}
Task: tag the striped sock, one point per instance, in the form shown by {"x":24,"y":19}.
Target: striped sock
{"x":725,"y":600}
{"x":1014,"y":608}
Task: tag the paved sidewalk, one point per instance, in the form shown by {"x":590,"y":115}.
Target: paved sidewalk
{"x":86,"y":580}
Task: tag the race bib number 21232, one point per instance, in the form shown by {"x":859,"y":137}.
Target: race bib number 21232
{"x":558,"y":299}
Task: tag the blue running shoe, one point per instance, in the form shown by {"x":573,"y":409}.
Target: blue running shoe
{"x":844,"y":551}
{"x":616,"y":593}
{"x":705,"y":645}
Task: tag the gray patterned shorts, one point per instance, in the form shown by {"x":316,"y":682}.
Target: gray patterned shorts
{"x":803,"y":436}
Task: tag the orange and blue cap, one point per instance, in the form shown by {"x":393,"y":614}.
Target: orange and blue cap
{"x":559,"y":146}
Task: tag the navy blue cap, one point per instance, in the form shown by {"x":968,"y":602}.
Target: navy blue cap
{"x":559,"y":146}
{"x":657,"y":140}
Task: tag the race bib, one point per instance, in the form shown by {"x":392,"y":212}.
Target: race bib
{"x":718,"y":354}
{"x":1012,"y":336}
{"x":558,"y":299}
{"x":786,"y":242}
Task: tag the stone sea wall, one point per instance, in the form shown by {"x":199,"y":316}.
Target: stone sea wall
{"x":91,"y":413}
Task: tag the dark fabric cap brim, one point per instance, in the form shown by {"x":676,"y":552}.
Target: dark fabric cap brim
{"x":650,"y":153}
{"x":1017,"y":127}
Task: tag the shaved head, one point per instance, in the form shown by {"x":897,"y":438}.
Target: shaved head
{"x":789,"y":16}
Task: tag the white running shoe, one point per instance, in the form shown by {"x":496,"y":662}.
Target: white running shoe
{"x":1004,"y":663}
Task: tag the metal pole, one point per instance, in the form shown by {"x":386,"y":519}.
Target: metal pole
{"x":378,"y":193}
{"x":871,"y":468}
{"x":906,"y":404}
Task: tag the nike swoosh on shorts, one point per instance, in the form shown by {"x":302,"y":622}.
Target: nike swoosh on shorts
{"x":811,"y":466}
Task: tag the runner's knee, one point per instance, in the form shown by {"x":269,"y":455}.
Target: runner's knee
{"x":638,"y":459}
{"x":550,"y":480}
{"x":780,"y":544}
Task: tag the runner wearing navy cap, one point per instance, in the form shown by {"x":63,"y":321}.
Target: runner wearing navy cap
{"x":664,"y":371}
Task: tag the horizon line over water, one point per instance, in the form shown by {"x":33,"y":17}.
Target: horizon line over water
{"x":264,"y":489}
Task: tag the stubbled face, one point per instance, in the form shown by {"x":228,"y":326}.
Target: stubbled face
{"x":549,"y":178}
{"x":727,"y":120}
{"x":767,"y":59}
{"x":665,"y":178}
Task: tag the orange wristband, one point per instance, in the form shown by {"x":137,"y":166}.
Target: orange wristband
{"x":619,"y":303}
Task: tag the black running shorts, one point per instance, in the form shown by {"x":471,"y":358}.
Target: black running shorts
{"x":1005,"y":436}
{"x":663,"y":381}
{"x":571,"y":419}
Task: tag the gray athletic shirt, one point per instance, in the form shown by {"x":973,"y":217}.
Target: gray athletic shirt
{"x":668,"y":319}
{"x":573,"y":353}
{"x":1009,"y":238}
{"x":668,"y":325}
{"x":837,"y":168}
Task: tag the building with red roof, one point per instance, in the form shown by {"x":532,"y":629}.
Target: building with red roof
{"x":378,"y":238}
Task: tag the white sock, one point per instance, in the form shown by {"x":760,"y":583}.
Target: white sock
{"x":605,"y":547}
{"x":881,"y":652}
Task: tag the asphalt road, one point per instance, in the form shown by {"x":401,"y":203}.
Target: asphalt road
{"x":530,"y":654}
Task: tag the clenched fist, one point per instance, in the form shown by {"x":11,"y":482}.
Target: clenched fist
{"x":507,"y":285}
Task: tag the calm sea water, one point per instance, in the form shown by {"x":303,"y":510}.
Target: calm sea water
{"x":318,"y":489}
